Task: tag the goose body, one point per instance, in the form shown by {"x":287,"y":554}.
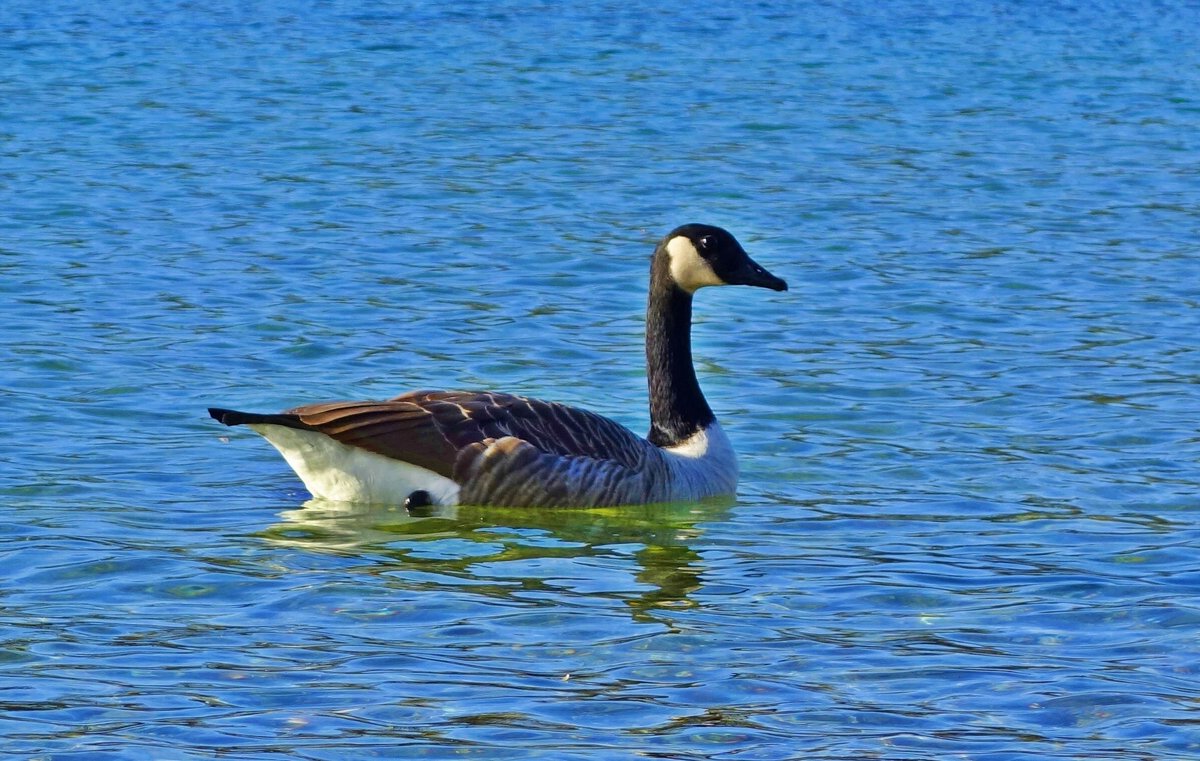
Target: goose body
{"x":480,"y":447}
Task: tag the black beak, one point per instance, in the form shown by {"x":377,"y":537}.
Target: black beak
{"x":750,"y":273}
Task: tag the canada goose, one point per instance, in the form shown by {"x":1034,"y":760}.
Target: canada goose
{"x":484,"y":448}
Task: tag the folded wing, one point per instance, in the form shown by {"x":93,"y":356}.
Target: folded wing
{"x":432,"y":428}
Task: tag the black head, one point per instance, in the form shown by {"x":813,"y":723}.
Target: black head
{"x":701,"y":255}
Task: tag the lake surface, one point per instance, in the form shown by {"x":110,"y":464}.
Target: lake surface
{"x":968,"y":523}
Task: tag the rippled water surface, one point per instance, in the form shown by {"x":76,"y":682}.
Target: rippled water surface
{"x":968,"y":520}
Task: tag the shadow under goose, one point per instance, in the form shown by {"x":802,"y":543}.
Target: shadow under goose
{"x":656,"y":541}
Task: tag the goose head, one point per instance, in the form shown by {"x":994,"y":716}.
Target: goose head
{"x":703,"y":255}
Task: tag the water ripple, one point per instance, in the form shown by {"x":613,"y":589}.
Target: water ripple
{"x":967,"y":514}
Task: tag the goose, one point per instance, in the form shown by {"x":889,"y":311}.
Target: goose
{"x":427,"y":448}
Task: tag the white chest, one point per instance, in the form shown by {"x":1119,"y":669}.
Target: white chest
{"x":703,"y":466}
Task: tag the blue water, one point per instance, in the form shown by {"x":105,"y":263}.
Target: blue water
{"x":968,"y":520}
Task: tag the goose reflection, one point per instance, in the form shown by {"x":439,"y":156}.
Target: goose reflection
{"x":505,"y":551}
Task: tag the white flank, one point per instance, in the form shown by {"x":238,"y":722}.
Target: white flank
{"x":703,"y":466}
{"x":688,"y":268}
{"x":332,"y":470}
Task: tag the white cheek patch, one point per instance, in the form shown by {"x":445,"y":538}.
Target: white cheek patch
{"x":688,"y":268}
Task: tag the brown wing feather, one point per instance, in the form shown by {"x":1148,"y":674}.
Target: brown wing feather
{"x":400,"y":430}
{"x":550,"y":427}
{"x":430,"y":428}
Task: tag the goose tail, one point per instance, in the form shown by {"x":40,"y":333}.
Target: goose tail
{"x":236,"y":417}
{"x":342,"y":472}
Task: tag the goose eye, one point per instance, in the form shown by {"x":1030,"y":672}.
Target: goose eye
{"x":708,"y":242}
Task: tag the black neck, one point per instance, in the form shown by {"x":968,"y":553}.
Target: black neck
{"x":677,"y":406}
